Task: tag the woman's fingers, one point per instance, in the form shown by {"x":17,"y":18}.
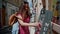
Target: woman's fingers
{"x":40,"y":24}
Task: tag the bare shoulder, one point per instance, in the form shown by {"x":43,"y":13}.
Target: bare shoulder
{"x":19,"y":16}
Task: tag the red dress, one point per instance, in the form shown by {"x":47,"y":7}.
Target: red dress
{"x":24,"y":29}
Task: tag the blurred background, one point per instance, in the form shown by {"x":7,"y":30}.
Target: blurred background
{"x":9,"y":7}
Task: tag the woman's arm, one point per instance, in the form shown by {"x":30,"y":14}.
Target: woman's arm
{"x":26,"y":24}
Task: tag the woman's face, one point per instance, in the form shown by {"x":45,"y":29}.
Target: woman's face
{"x":26,"y":6}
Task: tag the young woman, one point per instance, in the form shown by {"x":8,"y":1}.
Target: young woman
{"x":23,"y":18}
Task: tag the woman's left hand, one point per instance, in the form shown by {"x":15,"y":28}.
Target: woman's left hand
{"x":39,"y":26}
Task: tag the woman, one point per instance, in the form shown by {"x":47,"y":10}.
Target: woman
{"x":23,"y":18}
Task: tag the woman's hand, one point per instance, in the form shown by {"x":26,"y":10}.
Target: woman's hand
{"x":38,"y":28}
{"x":38,"y":25}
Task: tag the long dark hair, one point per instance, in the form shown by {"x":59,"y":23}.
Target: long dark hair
{"x":22,"y":9}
